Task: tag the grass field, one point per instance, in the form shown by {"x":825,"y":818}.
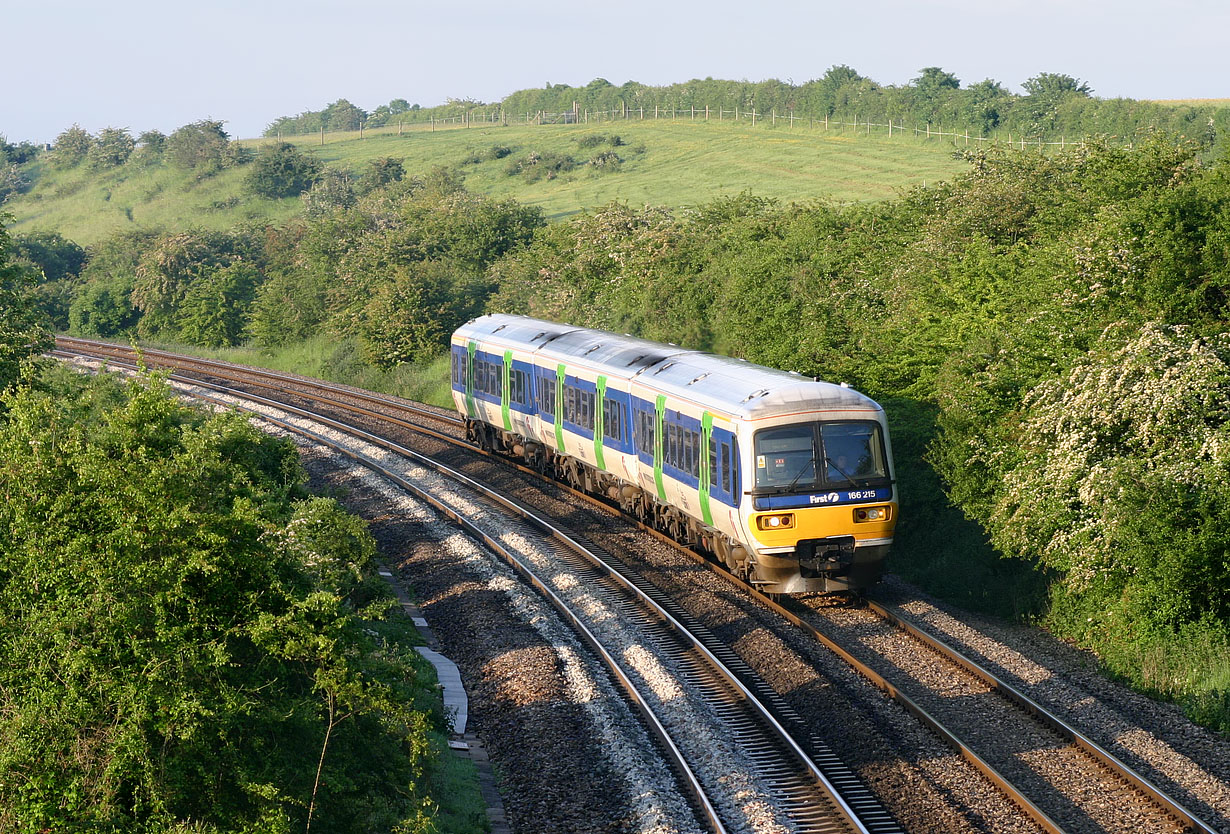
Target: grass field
{"x":1195,"y":102}
{"x":665,"y":163}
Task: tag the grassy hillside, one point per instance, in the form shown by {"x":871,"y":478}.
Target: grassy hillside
{"x":665,"y":163}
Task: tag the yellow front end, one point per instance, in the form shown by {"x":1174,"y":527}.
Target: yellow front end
{"x":822,"y":549}
{"x":785,"y":528}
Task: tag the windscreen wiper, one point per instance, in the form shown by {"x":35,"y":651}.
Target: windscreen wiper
{"x":864,"y":482}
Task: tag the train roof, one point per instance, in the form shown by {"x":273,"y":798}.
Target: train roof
{"x":719,"y":383}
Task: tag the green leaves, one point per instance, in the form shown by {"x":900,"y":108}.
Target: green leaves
{"x":180,"y":631}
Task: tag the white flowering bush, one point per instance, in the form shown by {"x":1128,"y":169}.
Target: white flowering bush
{"x":1117,"y":479}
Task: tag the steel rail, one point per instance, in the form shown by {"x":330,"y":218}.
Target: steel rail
{"x":228,"y":370}
{"x":1104,"y":757}
{"x":850,"y":816}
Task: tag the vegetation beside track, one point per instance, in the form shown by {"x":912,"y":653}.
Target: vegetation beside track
{"x":1046,"y":330}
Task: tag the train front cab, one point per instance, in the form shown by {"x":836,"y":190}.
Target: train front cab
{"x":821,"y":505}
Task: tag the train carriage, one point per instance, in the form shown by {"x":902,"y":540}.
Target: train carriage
{"x":787,"y":480}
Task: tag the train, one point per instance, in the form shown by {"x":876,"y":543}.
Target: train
{"x":785,"y":479}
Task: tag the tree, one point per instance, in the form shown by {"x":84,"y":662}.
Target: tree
{"x":333,"y":190}
{"x":56,"y":257}
{"x":215,"y":655}
{"x":382,"y":171}
{"x":71,"y":146}
{"x":150,"y":147}
{"x":12,"y":180}
{"x":342,"y":115}
{"x":202,"y":145}
{"x":214,"y":312}
{"x":172,"y":264}
{"x":282,"y":170}
{"x":411,"y":316}
{"x":111,"y":149}
{"x":934,"y":80}
{"x":23,"y":327}
{"x":1052,"y":85}
{"x":102,"y":309}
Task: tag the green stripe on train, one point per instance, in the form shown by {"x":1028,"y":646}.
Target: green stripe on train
{"x":706,"y":462}
{"x":599,"y":423}
{"x":507,"y":391}
{"x":471,"y":349}
{"x":658,"y":442}
{"x":559,"y":407}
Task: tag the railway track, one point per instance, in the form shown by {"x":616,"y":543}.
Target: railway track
{"x":1042,"y":762}
{"x":699,"y":709}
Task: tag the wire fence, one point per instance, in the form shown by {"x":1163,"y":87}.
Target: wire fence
{"x":578,"y":116}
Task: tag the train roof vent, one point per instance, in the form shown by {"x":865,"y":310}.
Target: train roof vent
{"x":634,"y":360}
{"x":755,"y":394}
{"x":663,"y":368}
{"x":699,"y":378}
{"x":591,"y":350}
{"x":541,"y":333}
{"x":498,"y":329}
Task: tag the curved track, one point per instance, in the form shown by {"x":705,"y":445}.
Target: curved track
{"x":814,"y":797}
{"x":1038,"y":795}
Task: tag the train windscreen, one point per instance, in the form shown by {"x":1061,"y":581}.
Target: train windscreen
{"x":808,"y":456}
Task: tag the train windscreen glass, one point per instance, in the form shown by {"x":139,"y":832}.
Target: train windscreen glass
{"x":809,"y":456}
{"x":852,"y":452}
{"x":786,"y":455}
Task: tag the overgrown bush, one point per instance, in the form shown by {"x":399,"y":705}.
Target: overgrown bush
{"x":537,"y":165}
{"x":282,"y":170}
{"x":211,"y":638}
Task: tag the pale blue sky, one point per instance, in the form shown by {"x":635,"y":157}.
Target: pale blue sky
{"x":145,"y":64}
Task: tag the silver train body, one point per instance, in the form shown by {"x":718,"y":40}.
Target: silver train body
{"x":787,"y":480}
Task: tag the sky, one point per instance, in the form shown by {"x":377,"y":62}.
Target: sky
{"x":145,"y":64}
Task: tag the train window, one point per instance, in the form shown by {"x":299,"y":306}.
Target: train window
{"x":587,"y":409}
{"x":786,"y":456}
{"x":546,"y":396}
{"x":613,"y":419}
{"x":852,"y":452}
{"x":518,"y":383}
{"x":713,"y":459}
{"x":727,"y":473}
{"x":644,"y":431}
{"x":693,"y":461}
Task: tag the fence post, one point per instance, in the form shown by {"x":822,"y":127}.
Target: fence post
{"x":826,"y":121}
{"x":706,"y":112}
{"x":753,"y":117}
{"x":322,"y":134}
{"x":773,"y":116}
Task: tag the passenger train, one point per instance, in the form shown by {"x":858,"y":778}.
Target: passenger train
{"x":786,"y":480}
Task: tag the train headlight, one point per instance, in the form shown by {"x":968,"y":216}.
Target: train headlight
{"x":778,"y":521}
{"x":871,"y":514}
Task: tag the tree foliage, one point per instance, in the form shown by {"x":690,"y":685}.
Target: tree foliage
{"x":23,"y":326}
{"x":71,"y":147}
{"x":186,"y":636}
{"x":112,"y":148}
{"x":202,"y":146}
{"x":282,"y":170}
